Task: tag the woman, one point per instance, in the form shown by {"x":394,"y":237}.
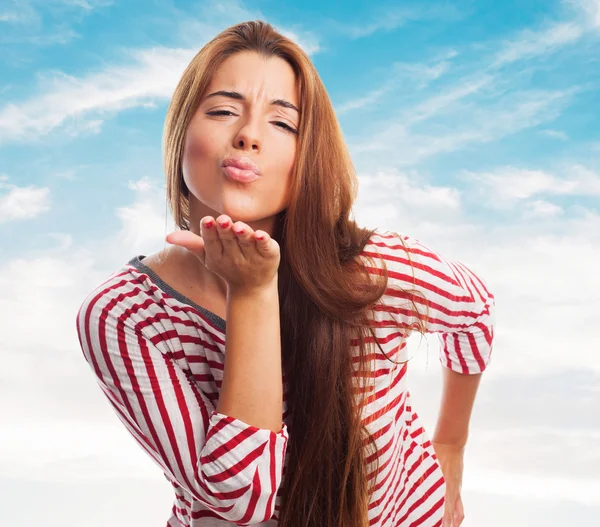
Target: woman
{"x":294,"y":412}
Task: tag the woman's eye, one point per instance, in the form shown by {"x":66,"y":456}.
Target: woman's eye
{"x":219,"y":112}
{"x":286,"y":127}
{"x":279,"y":123}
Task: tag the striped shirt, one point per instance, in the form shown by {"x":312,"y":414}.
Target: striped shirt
{"x":158,"y":357}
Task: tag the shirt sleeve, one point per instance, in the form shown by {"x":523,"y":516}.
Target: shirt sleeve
{"x":233,"y":468}
{"x":458,"y":304}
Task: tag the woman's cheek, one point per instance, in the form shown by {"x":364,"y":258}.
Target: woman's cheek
{"x":198,"y":144}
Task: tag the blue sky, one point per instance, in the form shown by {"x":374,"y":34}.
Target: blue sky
{"x":473,"y":126}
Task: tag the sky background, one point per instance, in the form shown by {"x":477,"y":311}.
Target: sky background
{"x":474,"y":128}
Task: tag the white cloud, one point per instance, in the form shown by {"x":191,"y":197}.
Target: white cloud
{"x":44,"y":22}
{"x":23,"y":203}
{"x":153,"y":73}
{"x":588,"y":12}
{"x":436,"y":104}
{"x":307,"y":41}
{"x":506,"y":186}
{"x":19,"y":13}
{"x":390,"y":18}
{"x":81,"y":104}
{"x":69,"y":173}
{"x":212,"y":18}
{"x":547,"y":293}
{"x":393,"y":197}
{"x":87,"y":5}
{"x":48,"y":286}
{"x":527,"y":426}
{"x":465,"y":124}
{"x":72,"y":450}
{"x":411,"y":189}
{"x":143,"y":222}
{"x":527,"y":486}
{"x":60,"y":36}
{"x":558,"y":134}
{"x":532,"y":43}
{"x":366,"y":100}
{"x":542,"y":209}
{"x":30,"y":284}
{"x":540,"y":312}
{"x":78,"y":101}
{"x":421,"y":74}
{"x":9,"y":17}
{"x":479,"y":107}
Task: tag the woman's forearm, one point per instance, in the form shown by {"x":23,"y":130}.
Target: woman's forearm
{"x":457,"y":404}
{"x":252,"y":388}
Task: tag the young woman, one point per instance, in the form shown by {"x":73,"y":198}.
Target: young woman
{"x":260,"y":358}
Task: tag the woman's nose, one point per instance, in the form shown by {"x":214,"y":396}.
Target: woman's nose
{"x":248,"y":135}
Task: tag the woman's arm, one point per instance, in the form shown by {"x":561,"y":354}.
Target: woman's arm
{"x":461,"y":309}
{"x":252,"y":388}
{"x":232,"y":467}
{"x":459,"y":306}
{"x":457,"y":403}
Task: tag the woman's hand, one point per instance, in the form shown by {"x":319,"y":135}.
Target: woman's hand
{"x":235,"y":252}
{"x":451,"y":458}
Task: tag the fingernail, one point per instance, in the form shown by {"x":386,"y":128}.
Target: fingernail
{"x":209,"y":224}
{"x":224,"y":224}
{"x":261,"y":238}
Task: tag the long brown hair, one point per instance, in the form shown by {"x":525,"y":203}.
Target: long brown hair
{"x":325,"y":291}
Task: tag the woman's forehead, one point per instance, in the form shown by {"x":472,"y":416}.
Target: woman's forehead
{"x":256,"y":77}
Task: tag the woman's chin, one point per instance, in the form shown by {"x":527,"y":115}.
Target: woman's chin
{"x":246,"y":212}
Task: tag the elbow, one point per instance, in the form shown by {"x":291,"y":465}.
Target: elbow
{"x":237,"y":499}
{"x":240,"y":470}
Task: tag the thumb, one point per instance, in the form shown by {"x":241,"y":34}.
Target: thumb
{"x":190,"y":241}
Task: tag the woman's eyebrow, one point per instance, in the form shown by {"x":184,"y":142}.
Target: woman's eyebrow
{"x":239,"y":96}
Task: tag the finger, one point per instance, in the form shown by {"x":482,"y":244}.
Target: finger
{"x":208,"y":229}
{"x":226,"y":234}
{"x":265,"y":245}
{"x":188,"y":240}
{"x":212,"y":242}
{"x":245,"y":238}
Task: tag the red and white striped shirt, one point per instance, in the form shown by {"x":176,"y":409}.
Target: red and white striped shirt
{"x":158,"y":357}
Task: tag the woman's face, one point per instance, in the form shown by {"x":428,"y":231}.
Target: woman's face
{"x":252,"y":128}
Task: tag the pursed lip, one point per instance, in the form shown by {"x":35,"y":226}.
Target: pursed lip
{"x":243,"y":163}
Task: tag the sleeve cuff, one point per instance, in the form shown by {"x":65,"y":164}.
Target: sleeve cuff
{"x":219,"y":420}
{"x":466,"y":352}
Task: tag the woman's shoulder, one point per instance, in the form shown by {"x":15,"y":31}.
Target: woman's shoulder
{"x":409,"y":262}
{"x":140,"y":297}
{"x":393,"y":246}
{"x":121,"y":290}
